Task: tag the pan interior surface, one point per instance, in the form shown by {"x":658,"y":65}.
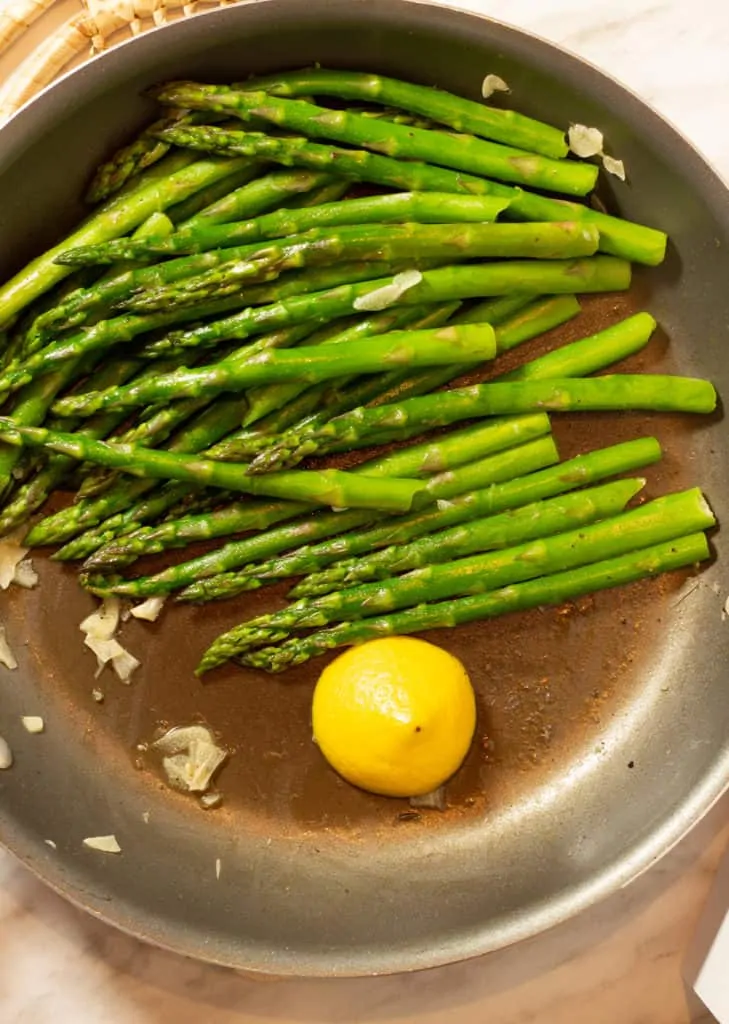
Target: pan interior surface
{"x":603,"y":726}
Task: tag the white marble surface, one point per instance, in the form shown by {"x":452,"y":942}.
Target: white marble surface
{"x":619,"y":962}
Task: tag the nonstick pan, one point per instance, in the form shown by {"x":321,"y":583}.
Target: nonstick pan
{"x":603,"y":728}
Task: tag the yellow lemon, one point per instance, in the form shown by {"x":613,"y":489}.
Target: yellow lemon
{"x":394,"y":716}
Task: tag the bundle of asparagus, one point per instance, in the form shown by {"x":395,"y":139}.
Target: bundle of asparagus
{"x":215,"y":321}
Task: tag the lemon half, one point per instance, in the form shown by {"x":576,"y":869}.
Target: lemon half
{"x":394,"y":716}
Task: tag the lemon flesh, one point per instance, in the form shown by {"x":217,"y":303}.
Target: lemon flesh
{"x":394,"y":716}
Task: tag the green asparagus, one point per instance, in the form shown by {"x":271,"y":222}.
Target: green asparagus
{"x":461,"y":152}
{"x":125,"y":328}
{"x":323,"y":487}
{"x":442,"y":346}
{"x":665,"y":519}
{"x":396,"y":208}
{"x":539,"y":519}
{"x":414,"y":415}
{"x":501,"y":466}
{"x":548,"y":590}
{"x":113,"y":219}
{"x":591,"y":274}
{"x":440,"y":242}
{"x":461,"y":114}
{"x":357,"y":557}
{"x":618,"y":237}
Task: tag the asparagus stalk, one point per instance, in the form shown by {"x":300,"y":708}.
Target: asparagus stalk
{"x":440,"y":456}
{"x":440,"y":242}
{"x":414,"y":415}
{"x":111,"y":220}
{"x":503,"y":465}
{"x":461,"y":114}
{"x":665,"y":519}
{"x":264,"y":193}
{"x":439,"y":347}
{"x":576,"y":359}
{"x":198,"y":202}
{"x":125,"y":328}
{"x":528,"y":523}
{"x":395,"y":208}
{"x":357,"y":556}
{"x":548,"y":590}
{"x":464,"y":153}
{"x":517,"y":320}
{"x":590,"y":354}
{"x":619,"y":237}
{"x":591,"y":274}
{"x":325,"y":487}
{"x":142,"y":153}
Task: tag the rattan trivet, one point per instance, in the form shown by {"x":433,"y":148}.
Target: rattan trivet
{"x":97,"y":25}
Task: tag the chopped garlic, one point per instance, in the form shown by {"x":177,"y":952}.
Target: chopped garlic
{"x":210,"y":800}
{"x":6,"y":755}
{"x":613,"y":166}
{"x":145,"y":817}
{"x":106,"y":844}
{"x":124,"y":664}
{"x":149,"y":610}
{"x":178,"y":739}
{"x":217,"y":867}
{"x":97,"y":695}
{"x":7,"y":658}
{"x":99,"y":628}
{"x":585,"y":141}
{"x":492,"y":84}
{"x":192,"y":758}
{"x":49,"y":842}
{"x":25,"y":574}
{"x":11,"y":553}
{"x":33,"y":723}
{"x":388,"y":295}
{"x":102,"y":624}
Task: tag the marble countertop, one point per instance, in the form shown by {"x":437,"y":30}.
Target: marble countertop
{"x":622,"y":960}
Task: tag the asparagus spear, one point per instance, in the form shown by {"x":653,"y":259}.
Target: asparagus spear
{"x":461,"y":114}
{"x":198,"y":202}
{"x":331,"y":192}
{"x":395,"y":208}
{"x":414,"y":415}
{"x":325,"y":487}
{"x":523,"y":320}
{"x":520,"y":325}
{"x":275,"y":398}
{"x":588,"y":354}
{"x":665,"y":519}
{"x":580,"y":357}
{"x":439,"y":347}
{"x":111,"y":220}
{"x":503,"y":465}
{"x":327,"y":400}
{"x":432,"y":456}
{"x":528,"y":523}
{"x":135,"y":157}
{"x":463,"y":152}
{"x":591,"y":274}
{"x":549,"y":590}
{"x":359,"y":552}
{"x":125,"y":328}
{"x":440,"y":242}
{"x":273,"y":189}
{"x":619,"y":237}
